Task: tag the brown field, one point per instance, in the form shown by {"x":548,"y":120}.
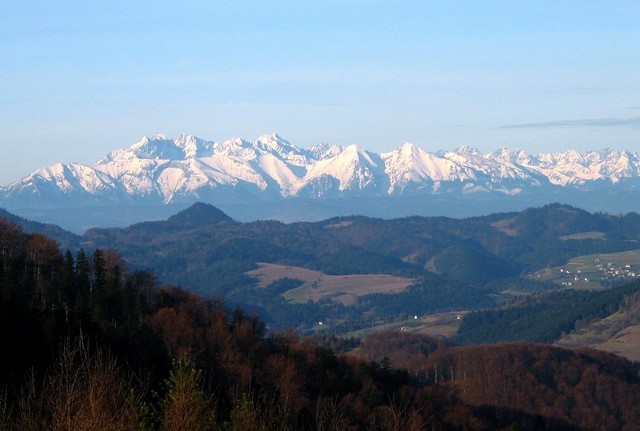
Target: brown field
{"x":605,"y":335}
{"x":584,"y":235}
{"x":504,"y":226}
{"x":624,"y":343}
{"x":341,"y":288}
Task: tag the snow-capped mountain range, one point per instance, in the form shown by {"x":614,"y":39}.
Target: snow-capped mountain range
{"x":187,"y":167}
{"x":160,"y":170}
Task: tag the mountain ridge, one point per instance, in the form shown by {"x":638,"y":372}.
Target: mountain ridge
{"x":160,"y":171}
{"x":272,"y":162}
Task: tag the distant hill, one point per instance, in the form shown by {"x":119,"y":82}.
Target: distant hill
{"x":79,"y":332}
{"x":65,"y":238}
{"x":457,"y":263}
{"x":352,"y":273}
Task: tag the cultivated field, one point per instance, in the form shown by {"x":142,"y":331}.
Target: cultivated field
{"x":436,"y":325}
{"x":594,"y":271}
{"x":612,"y":334}
{"x":341,"y":288}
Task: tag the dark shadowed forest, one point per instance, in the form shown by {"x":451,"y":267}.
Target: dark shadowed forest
{"x":92,"y":345}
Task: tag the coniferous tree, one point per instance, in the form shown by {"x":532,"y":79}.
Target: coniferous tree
{"x":186,"y":406}
{"x":69,"y":291}
{"x":83,"y":287}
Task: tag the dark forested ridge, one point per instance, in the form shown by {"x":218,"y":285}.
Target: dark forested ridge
{"x":457,"y":263}
{"x":91,"y":344}
{"x":543,"y":317}
{"x":474,"y":263}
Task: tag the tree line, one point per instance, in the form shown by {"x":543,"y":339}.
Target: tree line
{"x":93,"y":345}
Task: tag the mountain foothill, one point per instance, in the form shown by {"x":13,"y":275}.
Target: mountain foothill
{"x":201,"y":321}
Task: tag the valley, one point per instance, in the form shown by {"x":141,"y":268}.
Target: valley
{"x":320,"y":216}
{"x":366,"y":311}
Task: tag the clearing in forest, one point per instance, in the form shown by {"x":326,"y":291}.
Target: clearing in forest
{"x":318,"y":285}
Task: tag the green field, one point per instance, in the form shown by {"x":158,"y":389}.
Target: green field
{"x":596,"y":271}
{"x":436,"y":325}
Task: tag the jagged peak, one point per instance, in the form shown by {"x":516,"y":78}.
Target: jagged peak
{"x":353,"y":148}
{"x":273,"y":136}
{"x":466,"y":149}
{"x":508,"y":154}
{"x":237,"y":142}
{"x":355,"y":151}
{"x":408,"y":147}
{"x":274,"y":142}
{"x":188,"y":167}
{"x":325,"y":151}
{"x":405,"y":151}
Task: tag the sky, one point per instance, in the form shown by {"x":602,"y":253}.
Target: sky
{"x":79,"y":79}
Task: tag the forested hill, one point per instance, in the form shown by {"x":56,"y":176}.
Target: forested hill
{"x":424,"y":264}
{"x":91,"y":344}
{"x":456,"y":263}
{"x":64,"y":238}
{"x":502,"y":244}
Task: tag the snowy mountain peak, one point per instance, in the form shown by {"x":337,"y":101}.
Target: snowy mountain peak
{"x":277,"y":146}
{"x":466,"y":149}
{"x":158,"y":147}
{"x":509,"y":155}
{"x":355,"y":152}
{"x":236,"y":147}
{"x":325,"y":151}
{"x":164,"y":170}
{"x":194,"y":147}
{"x":408,"y":148}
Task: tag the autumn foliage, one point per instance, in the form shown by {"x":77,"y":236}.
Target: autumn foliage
{"x":91,"y":345}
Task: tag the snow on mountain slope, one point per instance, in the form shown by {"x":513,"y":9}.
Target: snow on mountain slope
{"x":163,"y":170}
{"x":572,"y":167}
{"x":159,"y":147}
{"x":617,"y":164}
{"x":409,"y":166}
{"x":275,"y":145}
{"x":66,"y":179}
{"x":496,"y":167}
{"x":136,"y":176}
{"x":282,"y":173}
{"x":353,"y":168}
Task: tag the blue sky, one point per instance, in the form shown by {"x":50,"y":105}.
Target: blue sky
{"x":79,"y":79}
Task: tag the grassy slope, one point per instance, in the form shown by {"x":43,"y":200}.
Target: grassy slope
{"x":341,"y":288}
{"x":588,"y":267}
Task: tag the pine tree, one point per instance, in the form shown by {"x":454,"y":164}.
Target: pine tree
{"x":82,"y":281}
{"x":186,"y":406}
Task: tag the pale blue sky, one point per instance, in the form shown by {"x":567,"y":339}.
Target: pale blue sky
{"x":79,"y":79}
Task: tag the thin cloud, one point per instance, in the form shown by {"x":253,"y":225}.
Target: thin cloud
{"x":584,"y":90}
{"x":587,"y":122}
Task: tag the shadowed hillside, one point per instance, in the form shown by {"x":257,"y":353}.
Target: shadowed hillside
{"x":91,"y":344}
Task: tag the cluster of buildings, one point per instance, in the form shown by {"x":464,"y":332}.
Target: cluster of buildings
{"x":578,"y":277}
{"x":610,"y":270}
